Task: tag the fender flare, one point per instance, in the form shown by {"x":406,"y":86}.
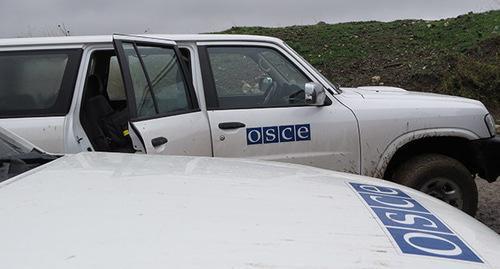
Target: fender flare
{"x":406,"y":138}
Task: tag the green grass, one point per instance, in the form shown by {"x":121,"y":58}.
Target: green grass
{"x":458,"y":56}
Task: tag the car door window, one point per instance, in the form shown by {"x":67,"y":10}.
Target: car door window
{"x":159,"y":88}
{"x":248,"y":77}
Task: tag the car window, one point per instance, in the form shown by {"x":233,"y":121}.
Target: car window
{"x":7,"y":149}
{"x":282,"y":65}
{"x":235,"y":74}
{"x":168,"y":91}
{"x":10,"y":147}
{"x":36,"y":83}
{"x":18,"y":156}
{"x":247,"y":77}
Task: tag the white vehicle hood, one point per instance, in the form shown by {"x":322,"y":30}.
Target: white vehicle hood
{"x":386,"y":115}
{"x":102,"y":210}
{"x":394,"y":93}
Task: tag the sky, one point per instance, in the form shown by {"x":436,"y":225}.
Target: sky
{"x":22,"y":18}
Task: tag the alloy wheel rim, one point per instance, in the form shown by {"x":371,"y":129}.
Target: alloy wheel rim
{"x":444,"y":189}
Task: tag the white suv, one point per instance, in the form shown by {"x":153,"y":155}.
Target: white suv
{"x":239,"y":96}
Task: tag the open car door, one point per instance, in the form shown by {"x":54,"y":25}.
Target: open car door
{"x":164,"y":113}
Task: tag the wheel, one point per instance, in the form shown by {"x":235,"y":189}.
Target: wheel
{"x":442,"y":177}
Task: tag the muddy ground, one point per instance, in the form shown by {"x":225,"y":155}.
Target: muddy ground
{"x":489,"y":204}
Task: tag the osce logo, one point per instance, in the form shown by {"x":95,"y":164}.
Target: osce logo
{"x":278,"y":134}
{"x":414,"y":229}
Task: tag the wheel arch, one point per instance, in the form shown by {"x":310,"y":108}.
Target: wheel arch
{"x":449,"y":142}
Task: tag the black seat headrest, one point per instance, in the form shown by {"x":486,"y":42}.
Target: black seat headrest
{"x":94,"y":86}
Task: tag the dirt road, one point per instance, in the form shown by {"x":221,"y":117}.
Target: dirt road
{"x":489,"y":204}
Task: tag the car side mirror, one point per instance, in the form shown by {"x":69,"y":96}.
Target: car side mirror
{"x":314,"y":94}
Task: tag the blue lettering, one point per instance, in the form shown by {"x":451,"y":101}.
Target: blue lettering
{"x":254,"y":136}
{"x":366,"y":188}
{"x":433,"y":244}
{"x":287,"y":133}
{"x":303,"y":132}
{"x":271,"y":134}
{"x":400,"y":203}
{"x":412,"y":220}
{"x":414,"y":229}
{"x":278,"y":134}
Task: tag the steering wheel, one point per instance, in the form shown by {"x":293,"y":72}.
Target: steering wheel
{"x":270,"y":93}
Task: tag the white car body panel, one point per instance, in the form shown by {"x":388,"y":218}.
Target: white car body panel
{"x":21,"y":142}
{"x":76,"y":41}
{"x":390,"y":118}
{"x":187,"y":129}
{"x":334,"y":141}
{"x":103,"y":210}
{"x":385,"y":117}
{"x":47,"y":133}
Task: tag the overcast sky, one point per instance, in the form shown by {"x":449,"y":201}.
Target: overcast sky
{"x":41,"y":17}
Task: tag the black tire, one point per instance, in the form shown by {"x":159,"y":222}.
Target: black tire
{"x":442,"y":177}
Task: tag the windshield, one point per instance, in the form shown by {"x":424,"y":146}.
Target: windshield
{"x":18,"y":156}
{"x":9,"y":146}
{"x":7,"y":149}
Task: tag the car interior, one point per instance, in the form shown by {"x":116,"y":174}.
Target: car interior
{"x":265,"y":78}
{"x":104,"y":118}
{"x":104,"y":113}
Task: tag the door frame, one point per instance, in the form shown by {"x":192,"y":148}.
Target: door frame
{"x":118,"y":41}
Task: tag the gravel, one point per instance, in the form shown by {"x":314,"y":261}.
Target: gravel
{"x":489,"y":204}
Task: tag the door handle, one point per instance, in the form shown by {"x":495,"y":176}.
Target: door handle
{"x":156,"y":142}
{"x":231,"y":125}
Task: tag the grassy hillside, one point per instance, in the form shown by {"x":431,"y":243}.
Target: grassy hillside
{"x":458,"y":56}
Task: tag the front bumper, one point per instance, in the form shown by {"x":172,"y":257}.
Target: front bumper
{"x":487,"y":155}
